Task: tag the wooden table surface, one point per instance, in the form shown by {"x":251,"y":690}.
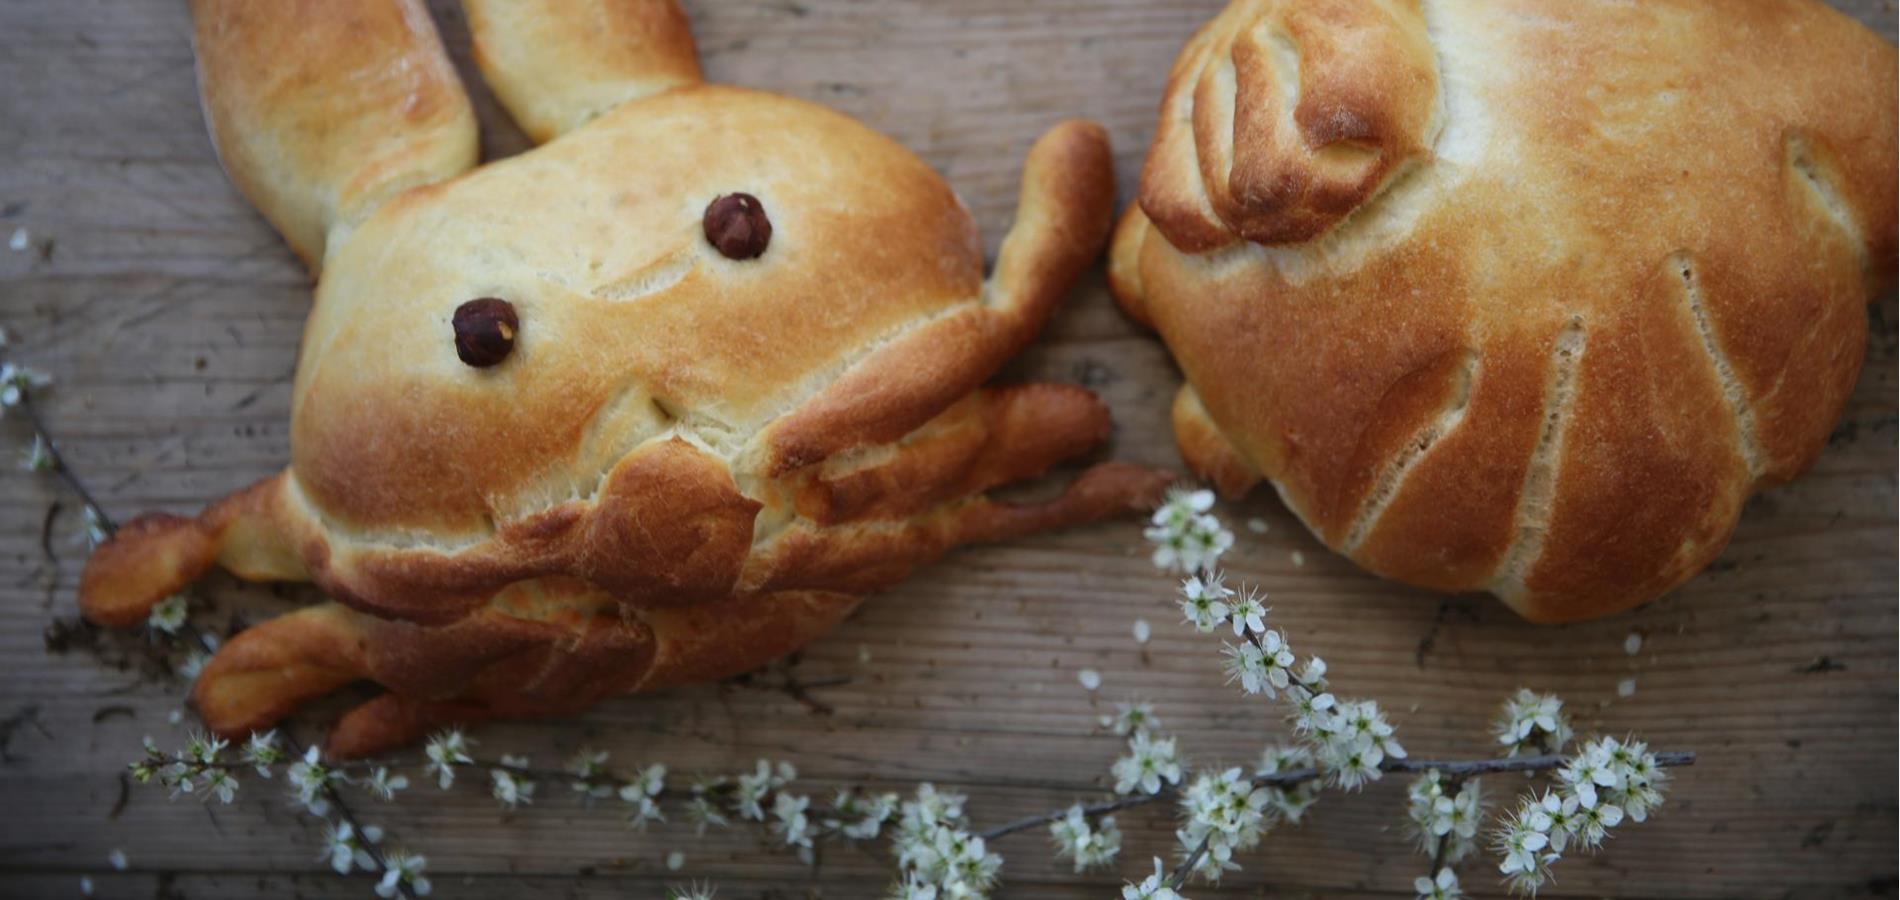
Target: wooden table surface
{"x":171,"y":314}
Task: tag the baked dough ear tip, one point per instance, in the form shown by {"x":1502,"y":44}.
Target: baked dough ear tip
{"x":1063,"y":214}
{"x":150,"y":558}
{"x":558,"y":64}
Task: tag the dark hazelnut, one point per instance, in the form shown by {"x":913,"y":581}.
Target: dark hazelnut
{"x":737,"y":226}
{"x":485,"y":331}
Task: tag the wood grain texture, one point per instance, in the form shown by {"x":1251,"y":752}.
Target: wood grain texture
{"x":171,"y":314}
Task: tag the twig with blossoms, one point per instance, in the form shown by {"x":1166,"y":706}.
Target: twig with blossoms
{"x":1339,"y":743}
{"x":197,"y":768}
{"x":1346,"y":743}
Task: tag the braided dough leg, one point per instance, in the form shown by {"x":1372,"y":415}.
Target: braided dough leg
{"x":495,"y":663}
{"x":557,"y":645}
{"x":251,"y":533}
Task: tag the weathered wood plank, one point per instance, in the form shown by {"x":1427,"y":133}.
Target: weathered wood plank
{"x":172,"y":316}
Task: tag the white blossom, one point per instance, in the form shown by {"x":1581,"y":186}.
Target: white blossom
{"x":37,"y":458}
{"x":1150,"y":762}
{"x":791,"y":823}
{"x":1523,"y":848}
{"x":1585,"y":772}
{"x":1262,"y":666}
{"x":344,"y":850}
{"x":1444,"y":887}
{"x":1438,"y":815}
{"x":221,"y":784}
{"x":691,"y":891}
{"x":752,"y":788}
{"x":383,"y":784}
{"x":1142,"y":631}
{"x":935,"y":849}
{"x":16,"y":382}
{"x":1180,"y":507}
{"x":508,"y":787}
{"x":1089,"y":678}
{"x":645,"y":807}
{"x":1350,"y":762}
{"x":1363,"y":720}
{"x":1313,"y":674}
{"x":1225,"y":810}
{"x":203,"y":748}
{"x":261,"y":751}
{"x":1088,"y":846}
{"x":445,"y":751}
{"x":1532,"y":723}
{"x":96,"y":530}
{"x":1186,"y":539}
{"x":642,"y":792}
{"x":193,"y":665}
{"x":1132,"y":717}
{"x":1248,"y":612}
{"x":403,"y":868}
{"x":700,"y":809}
{"x":168,"y":615}
{"x":1204,"y":601}
{"x":1154,"y":887}
{"x":1643,"y":780}
{"x":1290,"y":802}
{"x":861,"y":817}
{"x":589,"y":768}
{"x":309,"y":779}
{"x":117,"y":859}
{"x":931,"y":808}
{"x":1313,"y":713}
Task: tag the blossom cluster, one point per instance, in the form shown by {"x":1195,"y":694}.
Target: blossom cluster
{"x":204,"y":767}
{"x":938,"y":858}
{"x":1088,"y":845}
{"x":1532,"y":723}
{"x":1605,"y":782}
{"x":1186,"y":536}
{"x":1445,"y":816}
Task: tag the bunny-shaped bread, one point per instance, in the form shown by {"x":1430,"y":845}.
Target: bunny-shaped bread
{"x":1525,"y":296}
{"x":654,"y":402}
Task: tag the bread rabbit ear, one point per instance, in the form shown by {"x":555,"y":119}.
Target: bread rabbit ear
{"x":322,"y":110}
{"x":558,"y":63}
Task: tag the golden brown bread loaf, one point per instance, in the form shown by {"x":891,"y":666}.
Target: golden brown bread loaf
{"x":1525,"y":296}
{"x":654,"y":402}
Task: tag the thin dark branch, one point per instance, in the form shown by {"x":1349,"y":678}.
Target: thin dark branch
{"x":1178,"y":878}
{"x":59,"y":467}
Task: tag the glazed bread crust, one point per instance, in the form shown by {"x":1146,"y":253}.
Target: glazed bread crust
{"x":675,"y":457}
{"x":1601,"y":275}
{"x":320,"y":123}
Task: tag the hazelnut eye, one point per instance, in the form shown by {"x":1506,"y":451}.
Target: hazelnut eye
{"x":485,"y":330}
{"x":736,"y":225}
